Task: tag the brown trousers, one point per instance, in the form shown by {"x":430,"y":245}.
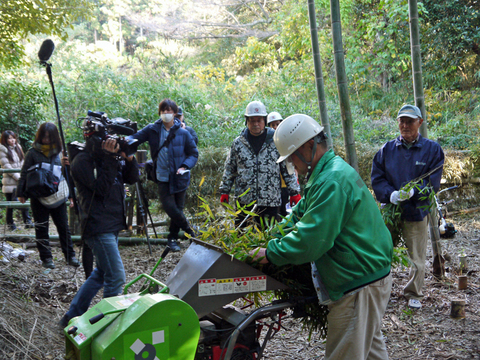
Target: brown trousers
{"x":355,"y":323}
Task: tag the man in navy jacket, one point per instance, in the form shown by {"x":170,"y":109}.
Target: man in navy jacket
{"x":399,"y":161}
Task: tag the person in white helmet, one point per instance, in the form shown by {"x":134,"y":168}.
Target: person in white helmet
{"x":252,"y":167}
{"x":338,"y":228}
{"x":273,"y":120}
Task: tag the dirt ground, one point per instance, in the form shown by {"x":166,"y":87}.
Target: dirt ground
{"x":32,"y":300}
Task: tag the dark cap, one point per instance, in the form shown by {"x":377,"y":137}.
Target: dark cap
{"x":180,"y":111}
{"x":409,"y":111}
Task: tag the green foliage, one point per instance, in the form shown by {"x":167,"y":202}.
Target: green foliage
{"x":400,"y":257}
{"x":219,"y":231}
{"x":392,"y":213}
{"x":379,"y":48}
{"x":277,"y":70}
{"x":453,"y":43}
{"x":20,"y":108}
{"x":21,"y":18}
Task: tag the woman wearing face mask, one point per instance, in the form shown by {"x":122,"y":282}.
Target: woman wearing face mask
{"x":174,"y":153}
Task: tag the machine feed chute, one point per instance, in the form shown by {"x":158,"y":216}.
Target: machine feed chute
{"x":206,"y":278}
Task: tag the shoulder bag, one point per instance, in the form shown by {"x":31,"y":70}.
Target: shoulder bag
{"x":40,"y":180}
{"x":55,"y":200}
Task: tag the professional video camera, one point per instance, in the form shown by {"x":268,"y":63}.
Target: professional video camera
{"x":99,"y":126}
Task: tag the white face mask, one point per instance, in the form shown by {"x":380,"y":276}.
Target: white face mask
{"x":166,"y":118}
{"x":290,"y":166}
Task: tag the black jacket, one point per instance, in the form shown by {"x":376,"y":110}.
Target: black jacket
{"x":33,"y":157}
{"x":102,"y":179}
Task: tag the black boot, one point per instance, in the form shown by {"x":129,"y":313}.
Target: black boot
{"x":172,"y":244}
{"x":29,"y":224}
{"x":27,"y":220}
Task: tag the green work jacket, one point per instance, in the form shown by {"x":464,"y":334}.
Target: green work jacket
{"x":338,"y":226}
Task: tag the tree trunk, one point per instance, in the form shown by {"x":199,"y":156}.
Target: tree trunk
{"x":417,"y":64}
{"x":317,"y":61}
{"x":346,"y":114}
{"x":120,"y":35}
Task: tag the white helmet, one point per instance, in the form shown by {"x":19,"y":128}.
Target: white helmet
{"x":256,"y":108}
{"x":293,"y":132}
{"x":274,"y":116}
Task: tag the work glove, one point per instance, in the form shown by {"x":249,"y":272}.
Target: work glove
{"x":224,"y":198}
{"x":401,"y":195}
{"x":295,"y":199}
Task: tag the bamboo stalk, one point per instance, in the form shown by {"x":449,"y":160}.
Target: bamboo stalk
{"x":342,"y":85}
{"x":317,"y":62}
{"x":416,"y":54}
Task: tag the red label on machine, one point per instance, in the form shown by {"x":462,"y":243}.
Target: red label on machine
{"x":207,"y":287}
{"x":241,"y":284}
{"x":80,"y":338}
{"x":258,"y":283}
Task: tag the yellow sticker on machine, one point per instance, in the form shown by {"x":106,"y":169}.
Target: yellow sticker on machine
{"x":211,"y":287}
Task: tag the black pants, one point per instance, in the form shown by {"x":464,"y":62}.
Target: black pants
{"x":60,"y":219}
{"x":265,"y":214}
{"x":25,"y":214}
{"x":283,"y":207}
{"x":173,"y":204}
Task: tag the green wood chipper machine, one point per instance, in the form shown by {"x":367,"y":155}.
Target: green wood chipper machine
{"x":189,"y":317}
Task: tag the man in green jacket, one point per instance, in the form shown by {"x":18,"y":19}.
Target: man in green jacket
{"x":337,"y":227}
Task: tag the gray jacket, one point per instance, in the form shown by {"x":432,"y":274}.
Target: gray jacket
{"x":259,"y":173}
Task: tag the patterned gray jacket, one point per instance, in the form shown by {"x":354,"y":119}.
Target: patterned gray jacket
{"x":259,"y":173}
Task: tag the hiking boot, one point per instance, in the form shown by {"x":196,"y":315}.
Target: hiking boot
{"x":48,"y":263}
{"x":73,"y":262}
{"x":172,"y":244}
{"x":12,"y":227}
{"x":414,"y":304}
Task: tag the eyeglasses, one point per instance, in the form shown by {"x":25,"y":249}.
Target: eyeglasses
{"x":407,"y":121}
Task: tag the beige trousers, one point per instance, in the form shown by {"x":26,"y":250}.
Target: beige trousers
{"x":416,"y":236}
{"x":355,"y":323}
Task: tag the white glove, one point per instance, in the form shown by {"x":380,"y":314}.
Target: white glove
{"x":399,"y":196}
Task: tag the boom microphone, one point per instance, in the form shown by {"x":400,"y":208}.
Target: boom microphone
{"x":46,"y":50}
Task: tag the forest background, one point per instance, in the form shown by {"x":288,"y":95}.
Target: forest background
{"x":214,"y":57}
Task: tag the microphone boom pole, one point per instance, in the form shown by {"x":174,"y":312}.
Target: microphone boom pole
{"x":44,"y":54}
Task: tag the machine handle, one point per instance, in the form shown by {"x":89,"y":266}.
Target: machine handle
{"x":96,"y":318}
{"x":100,"y":316}
{"x":164,"y":289}
{"x":165,"y":252}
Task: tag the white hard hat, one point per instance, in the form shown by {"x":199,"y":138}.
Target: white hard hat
{"x":293,"y":132}
{"x":256,"y":108}
{"x":274,"y":116}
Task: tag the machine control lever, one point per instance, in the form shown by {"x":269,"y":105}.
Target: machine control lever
{"x":72,"y":330}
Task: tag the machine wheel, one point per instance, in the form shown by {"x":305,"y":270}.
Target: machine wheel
{"x":242,"y":354}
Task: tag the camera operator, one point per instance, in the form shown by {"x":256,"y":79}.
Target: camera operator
{"x":99,"y":177}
